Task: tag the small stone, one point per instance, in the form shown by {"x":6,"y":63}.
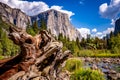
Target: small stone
{"x":112,"y":76}
{"x":88,"y":59}
{"x":112,"y":72}
{"x":94,"y":67}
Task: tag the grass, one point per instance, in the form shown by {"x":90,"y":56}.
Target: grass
{"x":96,"y":53}
{"x":73,"y":64}
{"x":75,"y":67}
{"x":1,"y":57}
{"x":87,"y":74}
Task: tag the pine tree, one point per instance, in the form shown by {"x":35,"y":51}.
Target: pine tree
{"x":43,"y":24}
{"x":78,"y":42}
{"x":35,"y":27}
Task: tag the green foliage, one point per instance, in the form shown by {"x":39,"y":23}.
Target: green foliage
{"x":30,"y":31}
{"x":35,"y":27}
{"x":7,"y":47}
{"x":114,"y":44}
{"x":95,"y":53}
{"x":3,"y":24}
{"x":78,"y":43}
{"x":1,"y":57}
{"x":43,"y":25}
{"x":74,"y":46}
{"x":73,"y":64}
{"x":85,"y":53}
{"x":87,"y":74}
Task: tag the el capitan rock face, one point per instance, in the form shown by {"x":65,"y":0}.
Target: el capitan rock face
{"x":57,"y":22}
{"x":14,"y":16}
{"x":117,"y":26}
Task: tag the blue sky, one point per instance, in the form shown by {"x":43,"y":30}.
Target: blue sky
{"x":95,"y":17}
{"x":86,"y":12}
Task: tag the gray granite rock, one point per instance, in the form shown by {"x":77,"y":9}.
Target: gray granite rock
{"x":14,"y":16}
{"x":57,"y":22}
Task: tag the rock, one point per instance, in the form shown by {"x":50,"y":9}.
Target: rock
{"x":94,"y":67}
{"x":112,"y":72}
{"x":112,"y":77}
{"x":88,"y":59}
{"x":97,"y":59}
{"x":14,"y":16}
{"x":117,"y":26}
{"x":58,"y":22}
{"x":105,"y":67}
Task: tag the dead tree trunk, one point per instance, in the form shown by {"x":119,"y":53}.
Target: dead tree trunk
{"x":40,"y":57}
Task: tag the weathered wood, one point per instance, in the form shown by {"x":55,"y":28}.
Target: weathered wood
{"x":41,"y":56}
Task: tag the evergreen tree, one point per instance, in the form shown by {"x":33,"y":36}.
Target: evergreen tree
{"x":83,"y":43}
{"x":35,"y":27}
{"x":78,"y":42}
{"x":43,"y":24}
{"x":60,"y":37}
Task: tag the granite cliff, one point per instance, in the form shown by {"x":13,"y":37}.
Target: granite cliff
{"x":57,"y":22}
{"x":117,"y":26}
{"x":14,"y":16}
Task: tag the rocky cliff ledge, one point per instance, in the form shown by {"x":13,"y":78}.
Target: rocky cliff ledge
{"x":117,"y":26}
{"x":14,"y":16}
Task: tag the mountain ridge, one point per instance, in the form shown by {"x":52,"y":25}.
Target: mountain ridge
{"x":56,"y":21}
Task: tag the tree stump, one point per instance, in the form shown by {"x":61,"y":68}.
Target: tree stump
{"x":40,"y":57}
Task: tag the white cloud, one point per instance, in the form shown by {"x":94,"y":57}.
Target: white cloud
{"x":110,"y":11}
{"x":81,"y":2}
{"x":103,"y":7}
{"x":108,"y":30}
{"x":30,"y":8}
{"x":84,"y":32}
{"x":112,"y":22}
{"x":59,"y":8}
{"x":35,"y":7}
{"x":104,"y":33}
{"x":94,"y":30}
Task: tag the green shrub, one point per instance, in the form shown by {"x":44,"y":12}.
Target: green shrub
{"x":96,"y":53}
{"x":87,"y":74}
{"x":1,"y":57}
{"x":85,"y":53}
{"x":73,"y":64}
{"x":107,"y":55}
